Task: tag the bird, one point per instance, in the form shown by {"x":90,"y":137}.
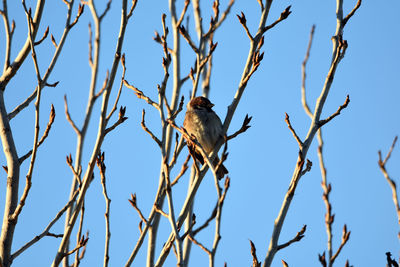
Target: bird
{"x":204,"y":124}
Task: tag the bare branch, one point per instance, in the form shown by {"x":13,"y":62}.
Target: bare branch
{"x":391,"y":182}
{"x":90,"y":46}
{"x":114,"y":108}
{"x":134,"y":205}
{"x":177,"y":149}
{"x":81,"y":8}
{"x":185,"y":7}
{"x":346,"y":19}
{"x":178,"y":110}
{"x":182,"y":172}
{"x":389,"y":153}
{"x":53,"y":40}
{"x":159,"y":210}
{"x":88,"y":177}
{"x":216,"y":24}
{"x":82,"y":243}
{"x":108,"y":6}
{"x":121,"y":119}
{"x":43,"y":37}
{"x":308,"y":167}
{"x":322,"y":259}
{"x":199,"y":244}
{"x":23,"y":105}
{"x":189,"y":40}
{"x":346,"y":102}
{"x":297,"y":238}
{"x":147,"y":130}
{"x":141,"y":95}
{"x":303,"y":72}
{"x":391,"y":262}
{"x":103,"y":88}
{"x":245,"y":126}
{"x":339,"y":49}
{"x":69,"y":119}
{"x":284,"y":15}
{"x":14,"y":217}
{"x":256,"y":263}
{"x":261,"y":5}
{"x":45,"y":134}
{"x":242,"y":20}
{"x":102,"y":168}
{"x":47,"y":229}
{"x":287,"y":120}
{"x":77,"y":173}
{"x":345,"y":238}
{"x":171,"y":216}
{"x":134,"y":2}
{"x":207,"y":222}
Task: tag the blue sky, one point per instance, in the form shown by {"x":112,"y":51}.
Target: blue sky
{"x":260,"y":162}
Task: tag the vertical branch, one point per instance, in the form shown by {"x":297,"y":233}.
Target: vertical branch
{"x":187,"y":245}
{"x":11,"y":198}
{"x":254,"y":59}
{"x":391,"y":182}
{"x":100,"y":134}
{"x":217,"y":235}
{"x":340,"y":47}
{"x":167,"y":130}
{"x":10,"y":221}
{"x":9,"y":33}
{"x":79,"y":236}
{"x":102,"y":169}
{"x":326,"y":187}
{"x":12,"y":69}
{"x":81,"y":134}
{"x":11,"y":210}
{"x":35,"y":145}
{"x":171,"y":215}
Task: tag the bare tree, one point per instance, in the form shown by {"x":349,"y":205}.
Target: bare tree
{"x":168,"y":100}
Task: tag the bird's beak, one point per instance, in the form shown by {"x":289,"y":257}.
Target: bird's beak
{"x":211,"y":105}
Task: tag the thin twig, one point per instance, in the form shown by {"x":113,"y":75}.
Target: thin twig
{"x":182,"y":172}
{"x":47,"y":229}
{"x":121,"y":119}
{"x":303,"y":72}
{"x":45,"y":133}
{"x":147,"y":130}
{"x":284,"y":15}
{"x":297,"y":238}
{"x":346,"y":102}
{"x":18,"y":209}
{"x":102,"y":168}
{"x":159,"y":210}
{"x":199,"y":244}
{"x":69,"y":119}
{"x":133,"y":202}
{"x":114,"y":108}
{"x":242,"y":20}
{"x":339,"y":49}
{"x":245,"y":126}
{"x":256,"y":263}
{"x":391,"y":182}
{"x":77,"y":173}
{"x":88,"y":177}
{"x":345,"y":238}
{"x":141,"y":95}
{"x":287,"y":120}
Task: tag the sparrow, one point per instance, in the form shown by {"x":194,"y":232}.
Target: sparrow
{"x":204,"y":124}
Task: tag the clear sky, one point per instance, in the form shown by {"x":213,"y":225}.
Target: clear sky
{"x":260,"y":162}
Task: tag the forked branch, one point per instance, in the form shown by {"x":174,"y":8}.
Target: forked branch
{"x":391,"y":182}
